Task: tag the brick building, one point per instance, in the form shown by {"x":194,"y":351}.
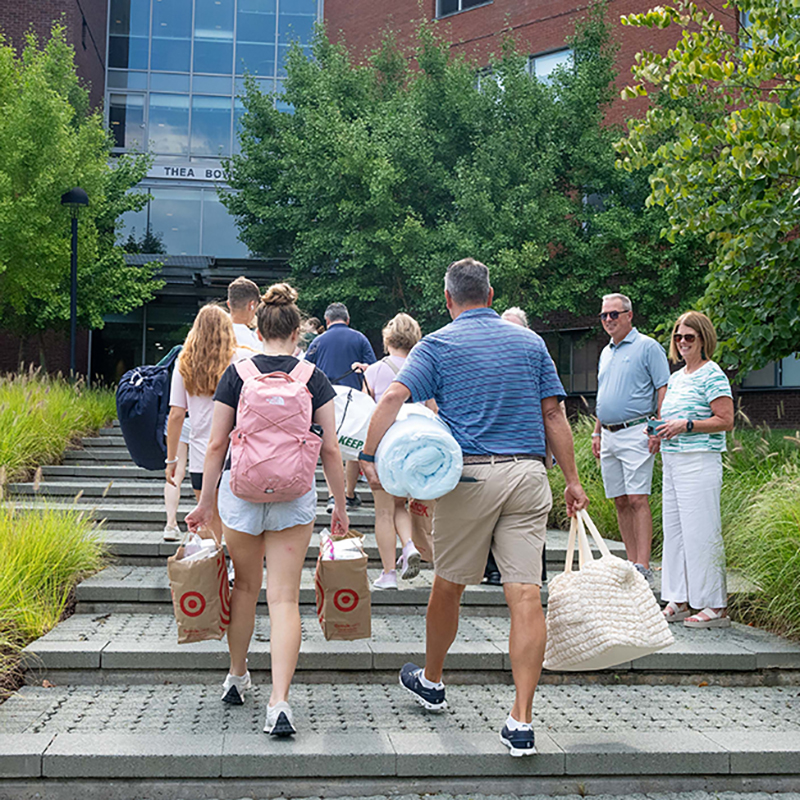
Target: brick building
{"x":168,"y":73}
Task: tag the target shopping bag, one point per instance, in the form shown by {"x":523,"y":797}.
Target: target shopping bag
{"x":343,"y":598}
{"x":201,"y":595}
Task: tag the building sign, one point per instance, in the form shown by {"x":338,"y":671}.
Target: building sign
{"x":190,"y":171}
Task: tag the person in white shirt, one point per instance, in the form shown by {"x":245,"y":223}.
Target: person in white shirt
{"x":243,"y":297}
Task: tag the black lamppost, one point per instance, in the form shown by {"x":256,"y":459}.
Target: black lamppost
{"x":74,"y":198}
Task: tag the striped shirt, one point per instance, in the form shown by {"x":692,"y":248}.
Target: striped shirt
{"x":489,"y":378}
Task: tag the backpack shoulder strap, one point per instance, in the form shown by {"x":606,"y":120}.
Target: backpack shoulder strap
{"x":392,"y":366}
{"x":302,"y":372}
{"x":247,"y":369}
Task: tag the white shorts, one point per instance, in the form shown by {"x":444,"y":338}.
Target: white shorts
{"x":253,"y":518}
{"x":626,"y":462}
{"x":186,"y":430}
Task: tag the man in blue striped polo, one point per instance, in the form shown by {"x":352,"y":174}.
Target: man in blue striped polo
{"x":497,"y":388}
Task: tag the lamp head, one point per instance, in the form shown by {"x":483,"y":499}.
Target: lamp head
{"x":75,"y":198}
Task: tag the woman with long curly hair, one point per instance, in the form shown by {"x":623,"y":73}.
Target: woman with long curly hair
{"x":208,"y":351}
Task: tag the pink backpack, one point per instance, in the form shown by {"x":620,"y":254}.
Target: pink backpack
{"x":273,"y":450}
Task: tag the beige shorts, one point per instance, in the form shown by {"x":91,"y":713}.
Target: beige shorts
{"x":499,"y":506}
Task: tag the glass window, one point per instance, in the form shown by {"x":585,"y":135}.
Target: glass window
{"x":542,"y":67}
{"x":790,"y":370}
{"x":169,"y":82}
{"x":211,"y":126}
{"x":117,"y":79}
{"x":175,"y":218}
{"x":238,"y":111}
{"x":172,"y":31}
{"x":760,"y":378}
{"x":213,"y":36}
{"x":283,"y":55}
{"x":452,"y":6}
{"x":257,"y":59}
{"x":255,"y":37}
{"x":169,"y":123}
{"x":126,"y":118}
{"x":220,"y":234}
{"x":132,"y":223}
{"x":206,"y":84}
{"x":296,"y":26}
{"x":129,"y":30}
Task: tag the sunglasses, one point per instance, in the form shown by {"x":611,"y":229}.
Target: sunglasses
{"x":611,"y":315}
{"x":687,"y":337}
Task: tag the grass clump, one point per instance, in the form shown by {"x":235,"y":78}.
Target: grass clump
{"x":760,"y":509}
{"x":43,"y":555}
{"x":40,"y":415}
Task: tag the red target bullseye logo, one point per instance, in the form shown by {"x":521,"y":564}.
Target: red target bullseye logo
{"x":345,"y":600}
{"x":193,"y":604}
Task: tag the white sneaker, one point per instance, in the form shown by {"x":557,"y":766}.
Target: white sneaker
{"x":234,"y":688}
{"x":172,"y":534}
{"x":279,"y":720}
{"x":386,"y":580}
{"x":409,"y":562}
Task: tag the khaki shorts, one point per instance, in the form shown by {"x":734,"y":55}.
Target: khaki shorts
{"x":500,"y":506}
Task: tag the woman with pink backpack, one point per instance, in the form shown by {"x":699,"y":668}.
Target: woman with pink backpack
{"x":277,"y":415}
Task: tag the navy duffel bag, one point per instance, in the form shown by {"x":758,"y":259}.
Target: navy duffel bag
{"x":142,"y":409}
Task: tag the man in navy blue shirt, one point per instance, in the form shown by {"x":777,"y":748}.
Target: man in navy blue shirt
{"x":334,"y":352}
{"x":496,"y":386}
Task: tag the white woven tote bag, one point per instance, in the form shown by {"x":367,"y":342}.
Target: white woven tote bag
{"x":602,"y":615}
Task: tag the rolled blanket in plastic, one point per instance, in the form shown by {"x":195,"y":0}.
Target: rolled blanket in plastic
{"x":418,"y":456}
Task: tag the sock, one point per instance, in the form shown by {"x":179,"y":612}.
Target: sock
{"x":429,"y":684}
{"x":514,"y":725}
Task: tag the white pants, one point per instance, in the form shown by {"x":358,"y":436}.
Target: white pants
{"x":694,"y":555}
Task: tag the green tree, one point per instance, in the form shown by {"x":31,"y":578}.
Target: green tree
{"x":388,"y":171}
{"x":50,"y":142}
{"x":724,"y":146}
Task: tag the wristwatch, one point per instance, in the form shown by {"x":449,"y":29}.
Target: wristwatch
{"x":689,"y":425}
{"x":362,"y":456}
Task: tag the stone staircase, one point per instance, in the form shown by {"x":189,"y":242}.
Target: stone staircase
{"x":115,"y":708}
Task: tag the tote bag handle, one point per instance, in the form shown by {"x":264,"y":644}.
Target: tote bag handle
{"x":578,"y":536}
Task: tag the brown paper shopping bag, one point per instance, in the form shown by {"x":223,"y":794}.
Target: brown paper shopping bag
{"x":201,"y":596}
{"x":343,"y":597}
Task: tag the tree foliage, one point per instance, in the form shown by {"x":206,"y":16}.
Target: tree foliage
{"x":49,"y":143}
{"x":388,"y":171}
{"x":724,"y":146}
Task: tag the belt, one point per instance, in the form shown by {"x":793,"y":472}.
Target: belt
{"x":623,"y":425}
{"x":491,"y":458}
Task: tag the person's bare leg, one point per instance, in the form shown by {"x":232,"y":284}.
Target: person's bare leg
{"x":626,"y":527}
{"x":642,"y":527}
{"x":385,"y":534}
{"x":247,"y":554}
{"x":525,"y":644}
{"x":351,"y":470}
{"x":441,"y":625}
{"x":402,"y":521}
{"x":286,"y":554}
{"x":172,"y":494}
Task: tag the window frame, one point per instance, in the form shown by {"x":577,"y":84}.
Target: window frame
{"x":461,"y":10}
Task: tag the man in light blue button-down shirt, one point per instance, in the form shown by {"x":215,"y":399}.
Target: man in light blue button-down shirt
{"x":631,"y":382}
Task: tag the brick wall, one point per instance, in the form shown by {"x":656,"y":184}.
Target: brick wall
{"x":779,"y":408}
{"x":86,"y":32}
{"x":538,"y":25}
{"x":56,"y":349}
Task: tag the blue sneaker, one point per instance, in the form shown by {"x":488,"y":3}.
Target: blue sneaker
{"x":432,"y":699}
{"x":519,"y":743}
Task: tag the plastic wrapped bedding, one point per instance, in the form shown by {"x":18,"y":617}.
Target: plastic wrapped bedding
{"x":418,"y":456}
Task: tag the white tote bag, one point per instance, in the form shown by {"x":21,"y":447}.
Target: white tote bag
{"x":353,"y":411}
{"x":602,"y":615}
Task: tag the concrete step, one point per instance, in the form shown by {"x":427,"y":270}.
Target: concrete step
{"x":121,"y":588}
{"x":161,"y":736}
{"x":130,"y":491}
{"x":92,"y":455}
{"x":118,"y":514}
{"x":133,"y":648}
{"x":147,"y":545}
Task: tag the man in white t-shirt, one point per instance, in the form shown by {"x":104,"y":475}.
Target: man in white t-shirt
{"x":243,"y":297}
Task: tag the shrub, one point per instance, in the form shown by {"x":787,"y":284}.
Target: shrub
{"x":41,"y":415}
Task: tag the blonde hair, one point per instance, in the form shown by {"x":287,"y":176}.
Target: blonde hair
{"x":207,"y":351}
{"x":401,"y":332}
{"x":705,"y":329}
{"x":277,"y":315}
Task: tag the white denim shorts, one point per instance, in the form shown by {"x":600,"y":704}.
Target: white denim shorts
{"x":626,"y":461}
{"x":253,"y":518}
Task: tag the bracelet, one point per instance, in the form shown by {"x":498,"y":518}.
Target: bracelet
{"x":171,"y":461}
{"x":362,"y":456}
{"x":596,"y":435}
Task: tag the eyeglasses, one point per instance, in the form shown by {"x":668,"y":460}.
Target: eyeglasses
{"x":687,"y":337}
{"x":611,"y":315}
